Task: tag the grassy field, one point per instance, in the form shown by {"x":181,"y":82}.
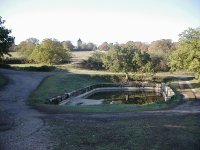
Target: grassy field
{"x":81,"y":55}
{"x":162,"y":132}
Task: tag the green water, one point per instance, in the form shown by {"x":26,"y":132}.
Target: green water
{"x":127,"y":97}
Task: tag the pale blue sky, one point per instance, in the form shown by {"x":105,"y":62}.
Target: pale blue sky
{"x":100,"y":20}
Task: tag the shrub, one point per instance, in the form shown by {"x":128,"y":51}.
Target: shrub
{"x":94,"y":62}
{"x":40,"y":69}
{"x":159,"y":63}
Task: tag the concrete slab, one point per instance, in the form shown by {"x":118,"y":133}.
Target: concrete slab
{"x":83,"y":101}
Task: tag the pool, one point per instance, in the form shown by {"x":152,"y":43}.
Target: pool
{"x":127,"y":97}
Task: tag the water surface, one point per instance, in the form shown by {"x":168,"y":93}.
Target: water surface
{"x":127,"y":97}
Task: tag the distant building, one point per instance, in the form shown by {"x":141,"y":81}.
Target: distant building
{"x":79,"y":43}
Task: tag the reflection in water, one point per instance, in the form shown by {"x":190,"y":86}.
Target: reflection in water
{"x":127,"y":97}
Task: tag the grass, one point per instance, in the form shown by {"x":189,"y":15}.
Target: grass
{"x":63,"y":82}
{"x":81,"y":55}
{"x":103,"y":108}
{"x":67,"y":82}
{"x":195,"y":84}
{"x":80,"y":131}
{"x":164,"y":132}
{"x":2,"y":81}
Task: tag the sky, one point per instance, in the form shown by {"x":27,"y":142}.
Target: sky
{"x":100,"y":20}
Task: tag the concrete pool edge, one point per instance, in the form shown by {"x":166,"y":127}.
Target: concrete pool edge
{"x":81,"y":99}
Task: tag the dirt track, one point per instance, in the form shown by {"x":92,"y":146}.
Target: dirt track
{"x":21,"y":128}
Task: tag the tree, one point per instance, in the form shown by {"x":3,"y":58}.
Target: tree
{"x":91,"y":46}
{"x":126,"y":58}
{"x":159,"y":63}
{"x":6,"y":41}
{"x":68,"y":45}
{"x":164,"y":45}
{"x":140,"y":60}
{"x":187,"y":55}
{"x":139,"y":45}
{"x":104,"y":46}
{"x":95,"y":61}
{"x":50,"y":51}
{"x":25,"y":48}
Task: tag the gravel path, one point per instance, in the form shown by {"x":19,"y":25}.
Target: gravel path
{"x":21,"y":128}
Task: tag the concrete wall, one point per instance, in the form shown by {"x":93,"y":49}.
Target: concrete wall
{"x":165,"y":90}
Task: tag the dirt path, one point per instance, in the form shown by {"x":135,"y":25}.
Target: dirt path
{"x":189,"y":93}
{"x":21,"y":128}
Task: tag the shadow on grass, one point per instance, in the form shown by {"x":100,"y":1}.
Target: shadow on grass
{"x":3,"y":81}
{"x":43,"y":68}
{"x":174,"y":78}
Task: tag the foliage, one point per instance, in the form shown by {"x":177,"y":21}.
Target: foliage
{"x":68,"y":45}
{"x":85,"y":46}
{"x":126,"y":58}
{"x":159,"y":63}
{"x":50,"y":51}
{"x":91,"y":46}
{"x":139,"y":45}
{"x":95,"y":61}
{"x":187,"y":56}
{"x":104,"y":46}
{"x":165,"y":45}
{"x":6,"y":41}
{"x":88,"y":46}
{"x":25,"y":48}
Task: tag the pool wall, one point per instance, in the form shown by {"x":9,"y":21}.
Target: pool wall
{"x":82,"y":93}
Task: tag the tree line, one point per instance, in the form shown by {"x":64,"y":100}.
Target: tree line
{"x":160,"y":55}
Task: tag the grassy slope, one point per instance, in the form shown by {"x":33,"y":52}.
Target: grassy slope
{"x":138,"y":133}
{"x":63,"y":82}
